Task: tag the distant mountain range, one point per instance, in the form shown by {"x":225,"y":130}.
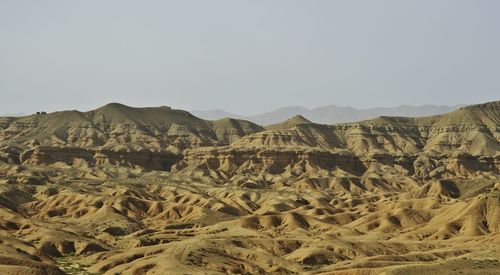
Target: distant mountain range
{"x":331,"y":114}
{"x":326,"y":115}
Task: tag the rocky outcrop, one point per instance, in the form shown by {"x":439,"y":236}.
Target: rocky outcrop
{"x":465,"y":165}
{"x":150,"y":160}
{"x":50,"y":155}
{"x":293,"y":162}
{"x":145,"y":159}
{"x":234,"y":161}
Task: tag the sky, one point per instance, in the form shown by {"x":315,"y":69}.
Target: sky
{"x":247,"y":57}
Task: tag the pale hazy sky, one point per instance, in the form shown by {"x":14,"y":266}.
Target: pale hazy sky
{"x":247,"y":56}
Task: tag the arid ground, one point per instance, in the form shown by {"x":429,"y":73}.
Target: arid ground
{"x":122,"y":190}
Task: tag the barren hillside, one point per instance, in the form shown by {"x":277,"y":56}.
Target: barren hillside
{"x":123,"y":190}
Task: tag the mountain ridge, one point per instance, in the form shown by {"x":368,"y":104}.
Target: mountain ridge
{"x":153,"y":190}
{"x":332,"y":113}
{"x":149,"y":134}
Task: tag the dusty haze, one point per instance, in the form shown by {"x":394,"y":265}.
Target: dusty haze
{"x":247,"y":57}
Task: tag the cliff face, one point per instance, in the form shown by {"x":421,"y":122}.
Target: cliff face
{"x":463,"y":143}
{"x":293,"y":162}
{"x":144,"y":159}
{"x":475,"y":130}
{"x":306,"y":162}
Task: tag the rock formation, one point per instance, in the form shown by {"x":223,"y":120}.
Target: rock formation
{"x":160,"y":191}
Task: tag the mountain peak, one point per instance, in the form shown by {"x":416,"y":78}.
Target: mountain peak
{"x":289,"y":123}
{"x":298,"y":119}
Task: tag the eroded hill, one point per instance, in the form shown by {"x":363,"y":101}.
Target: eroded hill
{"x":159,"y":191}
